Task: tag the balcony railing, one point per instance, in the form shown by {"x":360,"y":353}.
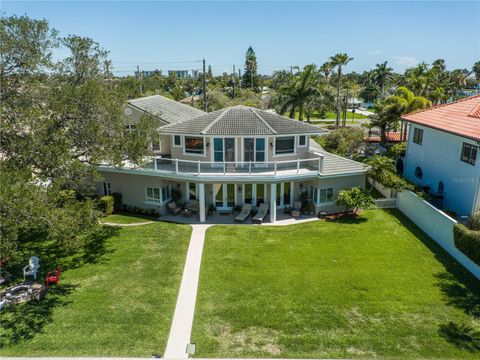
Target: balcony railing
{"x":192,"y":167}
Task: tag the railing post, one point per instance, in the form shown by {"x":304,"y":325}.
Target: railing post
{"x":155,"y":163}
{"x":275,"y":167}
{"x":176,"y":166}
{"x":224,"y":169}
{"x":250,"y":168}
{"x":298,"y":166}
{"x":198,"y":164}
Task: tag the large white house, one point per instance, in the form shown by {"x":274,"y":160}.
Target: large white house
{"x":230,"y":157}
{"x":442,"y":154}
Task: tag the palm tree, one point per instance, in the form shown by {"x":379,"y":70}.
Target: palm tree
{"x":382,"y":73}
{"x":322,"y":101}
{"x":382,"y":169}
{"x":294,"y":96}
{"x":339,"y":61}
{"x":326,"y":69}
{"x":476,"y":71}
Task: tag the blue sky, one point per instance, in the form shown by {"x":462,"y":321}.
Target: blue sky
{"x":171,"y":35}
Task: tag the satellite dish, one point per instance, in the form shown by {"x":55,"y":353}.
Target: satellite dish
{"x":128,"y":111}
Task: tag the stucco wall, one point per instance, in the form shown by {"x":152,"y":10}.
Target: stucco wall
{"x":435,"y":224}
{"x":439,"y":159}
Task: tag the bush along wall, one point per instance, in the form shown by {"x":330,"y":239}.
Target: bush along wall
{"x":105,"y":204}
{"x":467,"y":241}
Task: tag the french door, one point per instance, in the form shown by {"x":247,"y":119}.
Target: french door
{"x":254,"y":150}
{"x":224,"y":196}
{"x":224,"y":150}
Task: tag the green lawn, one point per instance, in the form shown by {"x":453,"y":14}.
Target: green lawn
{"x":377,"y":287}
{"x":127,"y":218}
{"x":116,"y":299}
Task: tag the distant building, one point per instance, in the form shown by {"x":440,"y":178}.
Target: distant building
{"x":181,"y":74}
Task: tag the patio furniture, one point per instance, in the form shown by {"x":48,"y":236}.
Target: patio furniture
{"x":53,"y":277}
{"x":186,"y":212}
{"x":287,"y":210}
{"x":193,"y":206}
{"x":173,"y":208}
{"x":245,"y":213}
{"x":32,"y":268}
{"x":297,"y":209}
{"x":261,"y":213}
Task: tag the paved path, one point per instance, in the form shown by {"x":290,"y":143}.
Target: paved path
{"x":133,"y":224}
{"x":181,"y":328}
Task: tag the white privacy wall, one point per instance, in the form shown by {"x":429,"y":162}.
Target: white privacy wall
{"x":435,"y":224}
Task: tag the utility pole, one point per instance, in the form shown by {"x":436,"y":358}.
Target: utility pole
{"x":140,"y":77}
{"x":204,"y":88}
{"x":233,"y":81}
{"x":291,"y":70}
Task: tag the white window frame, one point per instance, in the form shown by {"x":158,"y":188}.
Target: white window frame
{"x":319,"y":196}
{"x":306,"y":141}
{"x":153,"y":200}
{"x":107,"y":188}
{"x":173,"y":141}
{"x":203,"y":154}
{"x":286,"y":154}
{"x":159,"y":144}
{"x":168,"y":188}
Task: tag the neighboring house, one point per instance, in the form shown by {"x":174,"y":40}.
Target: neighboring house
{"x":168,"y":111}
{"x":392,"y":137}
{"x":443,"y":154}
{"x":235,"y":156}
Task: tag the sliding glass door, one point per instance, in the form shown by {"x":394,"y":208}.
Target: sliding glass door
{"x":224,"y":149}
{"x":254,"y":150}
{"x":224,"y":196}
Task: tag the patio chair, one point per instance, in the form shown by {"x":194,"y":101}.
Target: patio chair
{"x":261,"y":213}
{"x":297,"y":209}
{"x":193,"y":206}
{"x":245,"y":213}
{"x":32,"y":268}
{"x":173,"y":208}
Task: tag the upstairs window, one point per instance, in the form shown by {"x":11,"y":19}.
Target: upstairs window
{"x":302,"y":140}
{"x":177,"y":140}
{"x":156,"y":144}
{"x":284,"y":145}
{"x":469,"y":153}
{"x":418,"y":136}
{"x":194,"y":145}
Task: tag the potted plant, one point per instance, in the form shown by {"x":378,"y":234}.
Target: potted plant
{"x":211,"y":209}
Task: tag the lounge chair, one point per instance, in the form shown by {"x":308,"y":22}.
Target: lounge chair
{"x":261,"y":213}
{"x":173,"y":208}
{"x":193,"y":206}
{"x":245,"y":213}
{"x":297,"y":209}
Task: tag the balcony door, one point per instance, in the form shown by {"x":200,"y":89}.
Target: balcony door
{"x":224,"y":196}
{"x":224,"y":150}
{"x":254,"y":150}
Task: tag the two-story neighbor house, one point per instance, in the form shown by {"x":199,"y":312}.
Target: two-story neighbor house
{"x":235,"y":156}
{"x":442,"y":153}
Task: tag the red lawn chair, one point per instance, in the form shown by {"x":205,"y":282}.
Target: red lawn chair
{"x":53,"y":277}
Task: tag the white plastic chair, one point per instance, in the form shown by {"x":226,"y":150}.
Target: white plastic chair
{"x":32,"y":268}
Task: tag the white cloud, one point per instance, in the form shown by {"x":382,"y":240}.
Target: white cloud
{"x":375,"y":52}
{"x":405,"y":61}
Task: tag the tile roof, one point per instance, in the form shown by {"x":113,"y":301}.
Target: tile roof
{"x":391,"y":137}
{"x":169,"y":110}
{"x":461,"y":117}
{"x":241,"y":120}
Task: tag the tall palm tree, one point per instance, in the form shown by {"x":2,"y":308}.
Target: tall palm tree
{"x":339,"y":61}
{"x":326,"y":69}
{"x":322,"y":101}
{"x":382,"y":73}
{"x":382,"y":168}
{"x":476,"y":72}
{"x":303,"y":87}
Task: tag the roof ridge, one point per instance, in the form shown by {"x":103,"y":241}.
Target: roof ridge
{"x":441,"y":105}
{"x":475,"y":113}
{"x":204,"y":131}
{"x":263,"y":120}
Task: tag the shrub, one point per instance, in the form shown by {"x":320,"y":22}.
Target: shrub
{"x":105,"y":204}
{"x":468,"y":242}
{"x":474,"y":221}
{"x":355,"y":198}
{"x":117,"y":201}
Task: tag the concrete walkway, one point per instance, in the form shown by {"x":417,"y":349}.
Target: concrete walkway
{"x":122,"y":225}
{"x":181,"y":328}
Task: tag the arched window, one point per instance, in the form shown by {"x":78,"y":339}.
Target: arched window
{"x":440,"y":188}
{"x":418,"y":173}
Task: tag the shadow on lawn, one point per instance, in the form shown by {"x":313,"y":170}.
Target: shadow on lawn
{"x":460,"y":289}
{"x":23,"y":321}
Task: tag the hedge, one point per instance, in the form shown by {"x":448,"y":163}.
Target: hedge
{"x":117,"y":201}
{"x":467,"y":241}
{"x":106,"y":204}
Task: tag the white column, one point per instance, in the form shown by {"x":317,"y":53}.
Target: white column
{"x":187,"y":192}
{"x":273,"y":203}
{"x":201,"y":201}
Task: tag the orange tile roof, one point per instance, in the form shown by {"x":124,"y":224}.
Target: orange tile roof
{"x":390,"y":137}
{"x":461,"y":117}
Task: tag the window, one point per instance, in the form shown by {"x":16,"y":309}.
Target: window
{"x":417,"y":136}
{"x":326,"y":195}
{"x":284,"y":145}
{"x":177,"y":140}
{"x":153,"y":195}
{"x":418,"y":173}
{"x":107,"y":188}
{"x":302,"y":140}
{"x":469,"y":153}
{"x":192,"y":190}
{"x":166,"y":193}
{"x":156,"y":143}
{"x":193,"y":145}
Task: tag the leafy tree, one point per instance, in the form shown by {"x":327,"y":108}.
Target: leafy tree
{"x":339,"y":61}
{"x":250,"y":78}
{"x":476,"y":72}
{"x":355,"y":198}
{"x":382,"y":169}
{"x":343,"y":141}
